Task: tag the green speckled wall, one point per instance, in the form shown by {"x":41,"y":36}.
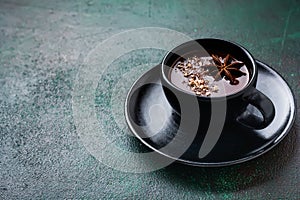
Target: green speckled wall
{"x":43,"y":44}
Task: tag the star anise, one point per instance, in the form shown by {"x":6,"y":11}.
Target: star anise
{"x":229,"y":68}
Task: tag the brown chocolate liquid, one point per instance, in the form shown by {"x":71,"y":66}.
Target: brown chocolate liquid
{"x":225,"y":88}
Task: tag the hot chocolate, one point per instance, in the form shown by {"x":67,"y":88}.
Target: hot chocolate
{"x":216,"y":75}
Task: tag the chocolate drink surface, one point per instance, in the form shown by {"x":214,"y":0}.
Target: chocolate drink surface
{"x":217,"y":75}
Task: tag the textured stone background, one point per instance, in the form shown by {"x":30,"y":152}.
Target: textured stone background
{"x":42,"y":46}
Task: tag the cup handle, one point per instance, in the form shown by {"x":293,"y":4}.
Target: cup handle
{"x":263,"y":104}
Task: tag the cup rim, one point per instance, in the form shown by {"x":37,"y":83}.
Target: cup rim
{"x":230,"y":96}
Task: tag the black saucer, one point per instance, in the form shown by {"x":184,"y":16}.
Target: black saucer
{"x":155,"y":123}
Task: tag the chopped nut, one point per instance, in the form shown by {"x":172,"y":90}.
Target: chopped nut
{"x":215,"y":88}
{"x":191,"y":83}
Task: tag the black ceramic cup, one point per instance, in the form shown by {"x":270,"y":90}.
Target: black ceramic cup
{"x":228,"y":109}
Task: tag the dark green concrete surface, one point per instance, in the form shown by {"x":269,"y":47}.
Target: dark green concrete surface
{"x":42,"y":47}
